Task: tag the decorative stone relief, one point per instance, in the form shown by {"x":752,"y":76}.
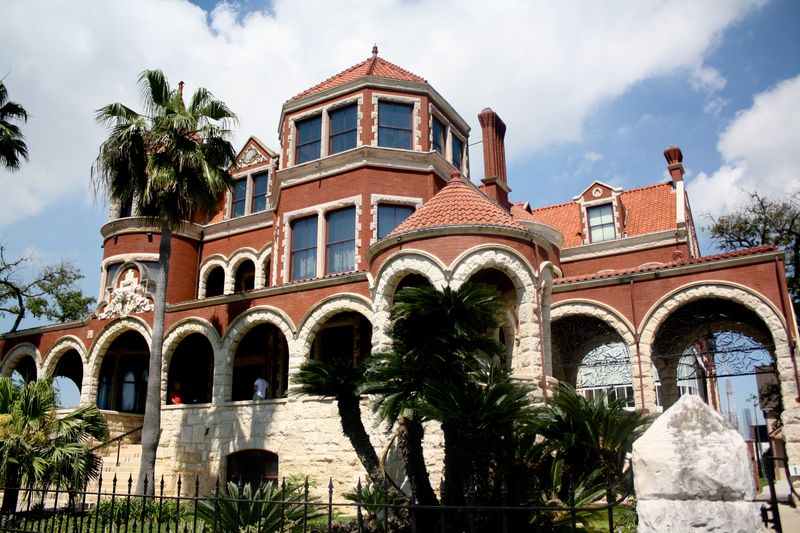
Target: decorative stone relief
{"x":130,"y":296}
{"x":251,"y":156}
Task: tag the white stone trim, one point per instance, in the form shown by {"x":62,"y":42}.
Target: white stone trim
{"x":528,"y":336}
{"x":176,"y":334}
{"x":324,"y":112}
{"x":210,"y":263}
{"x":59,"y":348}
{"x":315,"y":318}
{"x":320,"y":211}
{"x":19,"y":352}
{"x":389,"y":199}
{"x":109,"y":333}
{"x":598,"y":310}
{"x":416,"y":119}
{"x":237,"y":258}
{"x":392,"y":271}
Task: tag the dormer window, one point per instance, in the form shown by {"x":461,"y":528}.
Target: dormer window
{"x":601,"y":223}
{"x":344,"y":129}
{"x":309,"y":136}
{"x":394,"y":125}
{"x":239,"y":197}
{"x":249,"y":194}
{"x":259,"y":200}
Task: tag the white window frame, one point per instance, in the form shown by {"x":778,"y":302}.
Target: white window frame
{"x":389,"y":199}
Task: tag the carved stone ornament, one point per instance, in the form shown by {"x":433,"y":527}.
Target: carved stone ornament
{"x":251,"y":156}
{"x":129,"y":297}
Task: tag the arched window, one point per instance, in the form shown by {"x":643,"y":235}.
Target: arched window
{"x":215,"y":282}
{"x":345,"y":335}
{"x":262,"y":354}
{"x":245,"y":277}
{"x":256,"y":467}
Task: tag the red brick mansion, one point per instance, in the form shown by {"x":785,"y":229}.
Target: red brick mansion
{"x":368,"y":192}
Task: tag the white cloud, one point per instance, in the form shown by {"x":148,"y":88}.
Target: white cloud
{"x":542,"y":67}
{"x":707,"y":79}
{"x":759,"y":152}
{"x":592,"y":156}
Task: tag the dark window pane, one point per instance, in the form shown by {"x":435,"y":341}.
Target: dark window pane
{"x":259,"y":192}
{"x":344,"y":129}
{"x":394,"y":125}
{"x":239,"y":197}
{"x":304,"y":248}
{"x":341,"y":240}
{"x":438,"y":133}
{"x":390,"y":216}
{"x":309,"y":132}
{"x":458,"y":152}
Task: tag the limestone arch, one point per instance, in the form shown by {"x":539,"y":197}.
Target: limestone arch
{"x":326,"y":308}
{"x":206,"y":268}
{"x":522,"y":275}
{"x":179,"y":331}
{"x":237,"y":258}
{"x":61,"y":346}
{"x":223,"y":362}
{"x":392,"y":271}
{"x":101,"y":345}
{"x":760,"y":306}
{"x":264,"y":258}
{"x":17,"y":354}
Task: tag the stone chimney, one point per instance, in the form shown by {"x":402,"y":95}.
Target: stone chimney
{"x":494,"y":157}
{"x":674,"y":158}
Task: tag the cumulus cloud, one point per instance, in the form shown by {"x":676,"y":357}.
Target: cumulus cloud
{"x":759,"y":152}
{"x":542,"y":67}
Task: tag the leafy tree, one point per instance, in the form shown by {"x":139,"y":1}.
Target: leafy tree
{"x":12,"y":143}
{"x":38,"y":448}
{"x":173,"y":157}
{"x":51,"y":292}
{"x":764,"y":220}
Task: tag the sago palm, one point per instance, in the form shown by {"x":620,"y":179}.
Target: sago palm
{"x":40,"y":449}
{"x":173,"y":159}
{"x":12,"y":143}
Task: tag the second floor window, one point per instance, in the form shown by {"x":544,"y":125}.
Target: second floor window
{"x":341,"y":240}
{"x":304,"y":248}
{"x":344,"y":129}
{"x":390,"y":216}
{"x":601,"y":223}
{"x":239,"y":197}
{"x":394,"y":125}
{"x":458,"y":152}
{"x":309,"y":132}
{"x":259,"y":193}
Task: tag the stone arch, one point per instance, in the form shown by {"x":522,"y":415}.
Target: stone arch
{"x":208,"y":265}
{"x":178,"y":332}
{"x":642,"y":379}
{"x":224,"y":358}
{"x":521,"y":274}
{"x":101,"y":345}
{"x":17,"y":354}
{"x":393,"y":270}
{"x":760,"y":306}
{"x":61,"y":346}
{"x":328,"y":307}
{"x":262,"y":274}
{"x":237,"y":259}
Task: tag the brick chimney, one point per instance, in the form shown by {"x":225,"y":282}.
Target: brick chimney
{"x":674,"y":158}
{"x":494,"y":157}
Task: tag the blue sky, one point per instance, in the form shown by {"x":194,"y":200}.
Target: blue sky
{"x":589,"y":90}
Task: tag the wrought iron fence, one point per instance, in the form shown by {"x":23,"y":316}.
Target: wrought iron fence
{"x":291,"y":509}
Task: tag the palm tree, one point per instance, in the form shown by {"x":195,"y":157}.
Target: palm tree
{"x":39,"y":449}
{"x":173,"y":158}
{"x":439,"y":343}
{"x":12,"y":142}
{"x":340,"y":378}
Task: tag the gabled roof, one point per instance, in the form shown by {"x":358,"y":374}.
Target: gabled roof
{"x":253,"y":152}
{"x":647,"y":210}
{"x":661,"y":266}
{"x":458,"y":204}
{"x":374,"y":66}
{"x":593,"y":185}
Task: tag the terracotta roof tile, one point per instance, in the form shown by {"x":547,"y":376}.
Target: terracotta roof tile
{"x":374,"y":66}
{"x":649,"y":210}
{"x":681,"y":262}
{"x":455,"y":205}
